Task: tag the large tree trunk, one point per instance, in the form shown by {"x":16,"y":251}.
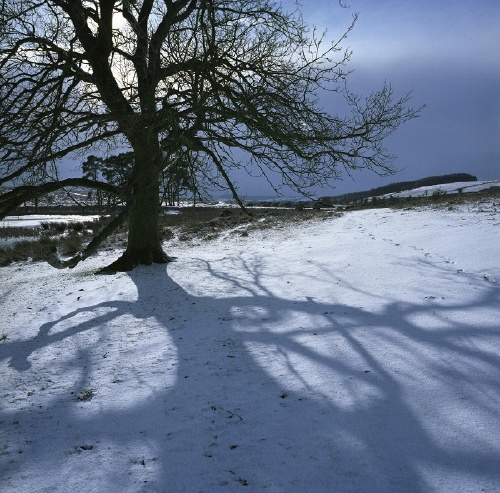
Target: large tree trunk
{"x":144,"y":242}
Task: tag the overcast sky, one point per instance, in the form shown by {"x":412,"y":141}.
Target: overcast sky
{"x":448,"y":53}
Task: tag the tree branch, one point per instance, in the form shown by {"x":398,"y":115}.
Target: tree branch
{"x":13,"y":199}
{"x":59,"y":263}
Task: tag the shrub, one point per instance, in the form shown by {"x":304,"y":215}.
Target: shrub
{"x":7,"y":232}
{"x":25,"y":250}
{"x":76,"y":226}
{"x":70,"y":244}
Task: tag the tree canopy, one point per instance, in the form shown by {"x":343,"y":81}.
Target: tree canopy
{"x":200,"y":82}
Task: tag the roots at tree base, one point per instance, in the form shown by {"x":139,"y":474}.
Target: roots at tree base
{"x":129,"y":260}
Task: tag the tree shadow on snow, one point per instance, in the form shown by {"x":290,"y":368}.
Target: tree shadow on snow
{"x":286,"y":394}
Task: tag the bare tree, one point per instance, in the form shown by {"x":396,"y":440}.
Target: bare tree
{"x":166,"y":77}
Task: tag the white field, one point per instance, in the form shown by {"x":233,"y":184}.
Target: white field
{"x":354,"y":354}
{"x":34,"y":220}
{"x":448,"y":188}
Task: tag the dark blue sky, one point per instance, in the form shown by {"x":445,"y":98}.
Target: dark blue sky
{"x":448,"y":54}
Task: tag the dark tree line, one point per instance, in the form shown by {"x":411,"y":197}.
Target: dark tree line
{"x":397,"y":187}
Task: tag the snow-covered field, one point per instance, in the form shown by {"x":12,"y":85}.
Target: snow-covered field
{"x":448,"y":188}
{"x":33,"y":220}
{"x":355,"y":354}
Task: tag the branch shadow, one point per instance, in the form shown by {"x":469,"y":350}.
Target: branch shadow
{"x":249,"y":388}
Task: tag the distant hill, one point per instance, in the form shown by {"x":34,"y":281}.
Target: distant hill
{"x":396,"y":188}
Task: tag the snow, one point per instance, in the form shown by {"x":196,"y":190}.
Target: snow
{"x":34,"y":220}
{"x":448,"y":188}
{"x":355,"y":354}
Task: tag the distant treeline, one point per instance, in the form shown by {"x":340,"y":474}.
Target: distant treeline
{"x":402,"y":186}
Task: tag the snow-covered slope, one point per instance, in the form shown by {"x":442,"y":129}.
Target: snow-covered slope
{"x":359,"y":353}
{"x":448,"y":188}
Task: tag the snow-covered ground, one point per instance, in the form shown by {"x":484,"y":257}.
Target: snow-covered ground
{"x":34,"y":220}
{"x":448,"y":188}
{"x":355,"y":354}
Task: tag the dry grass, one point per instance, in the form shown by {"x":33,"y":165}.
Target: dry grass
{"x":208,"y":224}
{"x":177,"y":225}
{"x":194,"y":224}
{"x":39,"y":243}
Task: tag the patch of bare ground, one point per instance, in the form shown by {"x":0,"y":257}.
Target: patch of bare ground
{"x":208,"y":224}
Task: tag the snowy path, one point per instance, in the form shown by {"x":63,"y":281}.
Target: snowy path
{"x":356,"y":354}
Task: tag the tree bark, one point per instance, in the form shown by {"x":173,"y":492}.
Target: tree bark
{"x":144,"y":240}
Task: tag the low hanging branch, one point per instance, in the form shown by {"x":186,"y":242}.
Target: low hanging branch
{"x":13,"y":199}
{"x":59,"y":263}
